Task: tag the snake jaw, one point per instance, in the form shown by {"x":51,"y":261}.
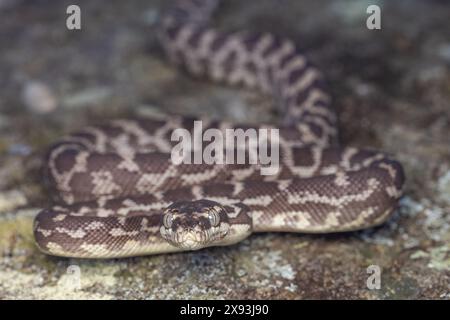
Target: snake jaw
{"x":190,"y":241}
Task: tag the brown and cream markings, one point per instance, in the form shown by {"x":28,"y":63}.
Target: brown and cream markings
{"x":120,"y":195}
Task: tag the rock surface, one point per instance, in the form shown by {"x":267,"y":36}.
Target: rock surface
{"x":391,"y":88}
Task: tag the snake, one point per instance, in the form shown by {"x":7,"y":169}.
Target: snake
{"x":118,"y":193}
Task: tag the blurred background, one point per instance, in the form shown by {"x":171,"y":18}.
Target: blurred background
{"x":391,"y":88}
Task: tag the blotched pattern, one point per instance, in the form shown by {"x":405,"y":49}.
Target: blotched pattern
{"x":114,"y":181}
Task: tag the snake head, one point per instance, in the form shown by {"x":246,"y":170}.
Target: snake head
{"x":192,"y":225}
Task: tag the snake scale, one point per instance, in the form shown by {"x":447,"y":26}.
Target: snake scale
{"x":118,"y":193}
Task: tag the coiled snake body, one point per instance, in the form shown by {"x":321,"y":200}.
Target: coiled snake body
{"x":120,"y":194}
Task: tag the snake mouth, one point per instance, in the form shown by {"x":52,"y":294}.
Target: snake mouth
{"x":190,"y":240}
{"x":186,"y":239}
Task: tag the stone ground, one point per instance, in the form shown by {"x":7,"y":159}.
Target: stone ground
{"x":391,"y":88}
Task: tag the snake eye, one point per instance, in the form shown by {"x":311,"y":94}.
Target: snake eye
{"x":214,"y":218}
{"x":167,"y":220}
